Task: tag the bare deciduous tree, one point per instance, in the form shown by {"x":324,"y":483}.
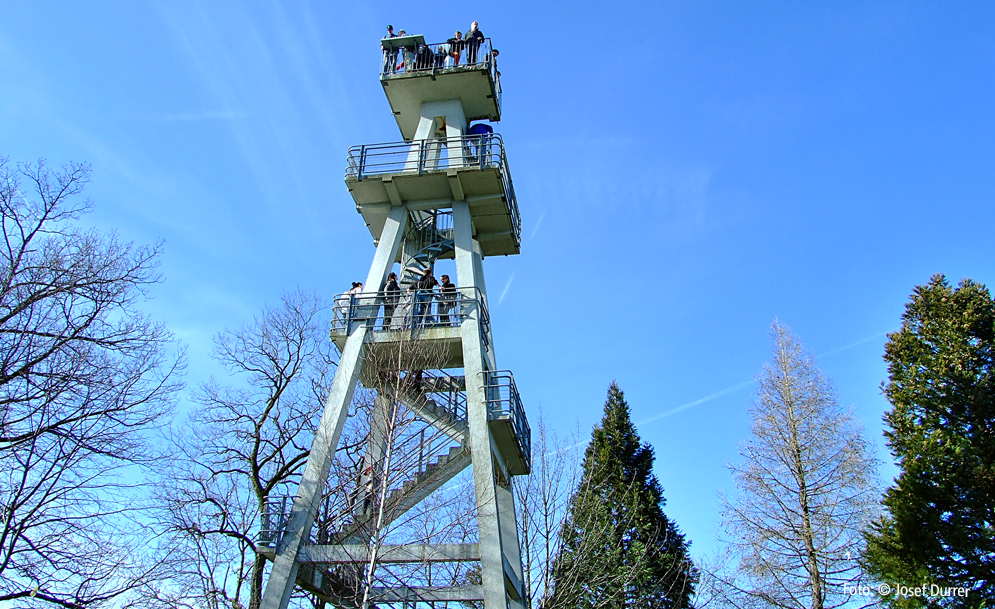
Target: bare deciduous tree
{"x":542,"y":499}
{"x":246,"y":442}
{"x":246,"y":445}
{"x":84,"y":375}
{"x":806,"y":489}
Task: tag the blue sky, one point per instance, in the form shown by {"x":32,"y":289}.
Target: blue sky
{"x":686,"y":172}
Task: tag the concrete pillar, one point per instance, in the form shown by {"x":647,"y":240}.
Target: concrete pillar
{"x":509,"y":538}
{"x":435,"y":115}
{"x":284,"y":574}
{"x":485,"y":478}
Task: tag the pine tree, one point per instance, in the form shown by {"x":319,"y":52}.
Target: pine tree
{"x":618,"y":547}
{"x":940,"y":526}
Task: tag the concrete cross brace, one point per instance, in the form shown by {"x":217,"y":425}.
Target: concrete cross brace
{"x":427,"y":595}
{"x":350,"y":553}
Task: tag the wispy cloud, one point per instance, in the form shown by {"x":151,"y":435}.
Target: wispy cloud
{"x":852,"y":345}
{"x":507,"y":287}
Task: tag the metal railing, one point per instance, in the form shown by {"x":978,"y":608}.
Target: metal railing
{"x":273,"y":520}
{"x":443,"y":388}
{"x":436,"y":155}
{"x":504,"y":402}
{"x":484,"y":151}
{"x":438,"y":57}
{"x":434,"y":223}
{"x":412,"y":311}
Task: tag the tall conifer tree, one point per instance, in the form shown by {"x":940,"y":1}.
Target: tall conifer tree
{"x":619,"y":549}
{"x":940,"y":526}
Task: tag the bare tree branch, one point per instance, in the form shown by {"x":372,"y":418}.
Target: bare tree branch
{"x":84,"y":379}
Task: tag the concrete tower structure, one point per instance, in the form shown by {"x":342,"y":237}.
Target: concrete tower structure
{"x":444,"y":192}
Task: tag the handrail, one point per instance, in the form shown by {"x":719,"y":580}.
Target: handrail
{"x":419,"y":157}
{"x":273,"y":520}
{"x":438,"y":57}
{"x":412,"y":311}
{"x":504,"y":402}
{"x":436,"y":385}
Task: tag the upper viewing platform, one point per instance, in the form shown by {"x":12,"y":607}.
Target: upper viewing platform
{"x":413,"y":72}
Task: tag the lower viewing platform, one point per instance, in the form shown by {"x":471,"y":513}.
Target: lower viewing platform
{"x":419,"y":330}
{"x":432,"y":173}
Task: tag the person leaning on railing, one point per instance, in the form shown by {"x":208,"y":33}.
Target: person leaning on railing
{"x":455,"y":47}
{"x":479,"y":136}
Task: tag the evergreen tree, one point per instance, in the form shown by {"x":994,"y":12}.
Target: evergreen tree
{"x":940,"y":526}
{"x":618,"y":547}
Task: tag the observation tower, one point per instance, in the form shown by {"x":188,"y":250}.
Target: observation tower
{"x":438,"y":403}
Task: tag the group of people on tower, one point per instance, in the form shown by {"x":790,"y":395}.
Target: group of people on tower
{"x":419,"y":306}
{"x":416,"y":57}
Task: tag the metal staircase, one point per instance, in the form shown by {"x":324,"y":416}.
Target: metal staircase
{"x":404,"y":497}
{"x":429,"y":239}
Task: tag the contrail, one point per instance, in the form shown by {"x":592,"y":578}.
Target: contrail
{"x":507,"y":286}
{"x":707,"y":398}
{"x":738,"y":386}
{"x":851,"y":345}
{"x":535,"y":227}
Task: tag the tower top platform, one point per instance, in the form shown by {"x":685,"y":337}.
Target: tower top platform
{"x":413,"y":72}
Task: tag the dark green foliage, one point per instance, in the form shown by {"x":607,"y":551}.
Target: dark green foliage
{"x":619,"y":549}
{"x":941,"y":523}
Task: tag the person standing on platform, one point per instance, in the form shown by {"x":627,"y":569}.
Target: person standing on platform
{"x":479,"y":141}
{"x":472,"y":40}
{"x":455,"y":47}
{"x":350,"y":300}
{"x":447,"y":301}
{"x":390,"y":54}
{"x":391,"y":296}
{"x":409,"y":54}
{"x":424,"y":292}
{"x":425,"y":58}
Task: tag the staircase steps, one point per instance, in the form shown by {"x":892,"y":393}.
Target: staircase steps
{"x":400,"y":500}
